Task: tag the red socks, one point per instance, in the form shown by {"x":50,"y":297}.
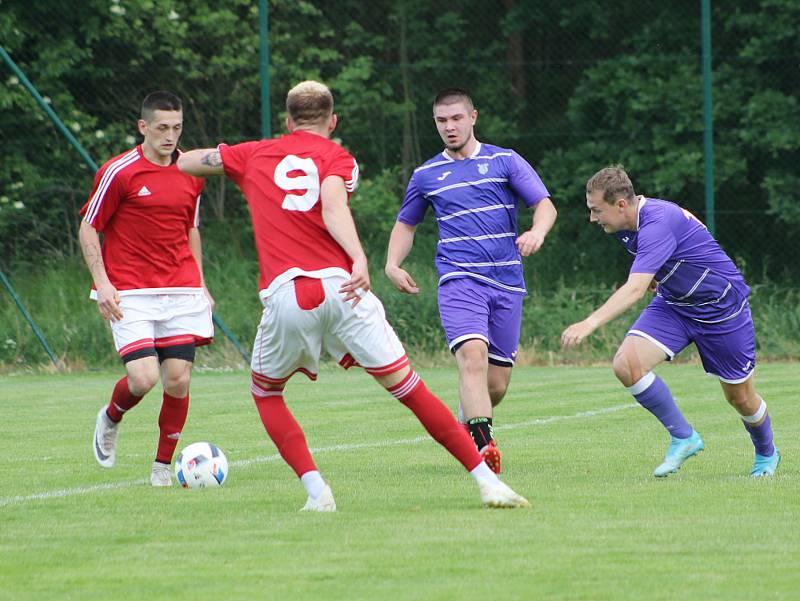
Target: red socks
{"x":170,"y":421}
{"x":170,"y":424}
{"x":121,"y":400}
{"x":437,"y":419}
{"x":283,"y":429}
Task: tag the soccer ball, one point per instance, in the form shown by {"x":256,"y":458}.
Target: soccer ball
{"x":201,"y":465}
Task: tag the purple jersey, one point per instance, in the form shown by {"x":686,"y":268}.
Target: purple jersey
{"x":695,"y":276}
{"x":475,"y":203}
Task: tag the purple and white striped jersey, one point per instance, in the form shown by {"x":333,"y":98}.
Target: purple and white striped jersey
{"x":695,"y":276}
{"x":475,"y":203}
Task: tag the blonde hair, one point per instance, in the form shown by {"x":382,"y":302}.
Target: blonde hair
{"x":309,"y":102}
{"x":613,"y":182}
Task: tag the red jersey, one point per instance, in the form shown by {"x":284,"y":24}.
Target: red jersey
{"x":145,"y":212}
{"x":281,"y":180}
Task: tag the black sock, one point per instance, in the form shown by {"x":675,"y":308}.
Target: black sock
{"x":480,"y":428}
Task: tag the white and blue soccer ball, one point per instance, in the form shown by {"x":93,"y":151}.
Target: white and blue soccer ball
{"x":201,"y":465}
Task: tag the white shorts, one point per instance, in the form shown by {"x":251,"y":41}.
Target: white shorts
{"x":162,"y":320}
{"x":291,"y":339}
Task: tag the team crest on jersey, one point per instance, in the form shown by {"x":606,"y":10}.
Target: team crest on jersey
{"x":483,"y":168}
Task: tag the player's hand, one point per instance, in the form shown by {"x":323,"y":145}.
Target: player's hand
{"x":210,"y":298}
{"x":358,"y":285}
{"x":529,"y":242}
{"x":108,"y":302}
{"x":401,"y":279}
{"x":577,"y":332}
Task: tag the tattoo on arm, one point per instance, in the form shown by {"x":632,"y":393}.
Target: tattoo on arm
{"x":212,"y":159}
{"x":94,"y":258}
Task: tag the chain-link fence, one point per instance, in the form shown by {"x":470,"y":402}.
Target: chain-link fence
{"x":572,"y":86}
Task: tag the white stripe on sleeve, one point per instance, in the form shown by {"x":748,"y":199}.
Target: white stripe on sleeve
{"x":105,"y":182}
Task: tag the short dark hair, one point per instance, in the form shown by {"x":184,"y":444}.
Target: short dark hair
{"x":160,"y":101}
{"x":452,"y":95}
{"x":613,"y":182}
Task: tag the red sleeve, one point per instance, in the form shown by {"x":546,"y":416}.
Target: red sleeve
{"x":200,"y":184}
{"x":107,"y":192}
{"x":235,"y":159}
{"x":345,"y":166}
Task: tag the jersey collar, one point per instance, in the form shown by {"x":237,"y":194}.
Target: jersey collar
{"x":474,"y":154}
{"x":642,"y":202}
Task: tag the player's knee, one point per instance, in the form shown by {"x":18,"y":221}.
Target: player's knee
{"x":473,"y":356}
{"x":178,"y":384}
{"x":744,"y":401}
{"x":623,"y":369}
{"x":141,"y":383}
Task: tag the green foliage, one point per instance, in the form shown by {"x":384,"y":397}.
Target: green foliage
{"x":572,"y":87}
{"x":643,"y":107}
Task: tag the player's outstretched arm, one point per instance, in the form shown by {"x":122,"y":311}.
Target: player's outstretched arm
{"x":339,"y":220}
{"x":623,"y":299}
{"x":107,"y":295}
{"x":544,"y":217}
{"x":201,"y":162}
{"x":400,"y":242}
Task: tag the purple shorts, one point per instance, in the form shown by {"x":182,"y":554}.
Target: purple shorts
{"x":473,"y":310}
{"x":727,"y":349}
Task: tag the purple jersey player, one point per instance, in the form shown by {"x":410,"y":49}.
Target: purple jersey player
{"x":474,"y":190}
{"x":700,"y":297}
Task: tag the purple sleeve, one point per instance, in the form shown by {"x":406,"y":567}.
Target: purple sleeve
{"x":525,"y":182}
{"x":655,"y":244}
{"x":412,"y":211}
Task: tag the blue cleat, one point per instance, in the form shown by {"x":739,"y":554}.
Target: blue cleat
{"x":680,"y":449}
{"x":765,"y":466}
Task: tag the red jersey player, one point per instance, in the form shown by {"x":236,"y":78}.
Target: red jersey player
{"x":148,"y":279}
{"x":315,"y":287}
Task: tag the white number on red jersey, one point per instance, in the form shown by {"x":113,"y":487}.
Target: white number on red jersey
{"x":309,"y":181}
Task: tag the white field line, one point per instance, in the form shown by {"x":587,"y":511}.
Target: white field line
{"x":85,"y":490}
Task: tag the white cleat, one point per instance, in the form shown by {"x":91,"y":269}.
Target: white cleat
{"x":105,"y":439}
{"x":499,"y":495}
{"x":161,"y":474}
{"x":324,"y":502}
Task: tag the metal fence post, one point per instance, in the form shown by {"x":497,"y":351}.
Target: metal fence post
{"x":708,"y":118}
{"x":29,"y":319}
{"x":263,"y":22}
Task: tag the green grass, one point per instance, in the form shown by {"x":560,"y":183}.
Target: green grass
{"x":409,"y":524}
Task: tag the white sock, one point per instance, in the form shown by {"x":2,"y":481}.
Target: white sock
{"x":643,"y":384}
{"x":314,"y":483}
{"x":757,"y":416}
{"x":461,"y":419}
{"x":483,"y":473}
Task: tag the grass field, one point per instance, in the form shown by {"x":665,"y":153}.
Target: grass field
{"x":409,"y":525}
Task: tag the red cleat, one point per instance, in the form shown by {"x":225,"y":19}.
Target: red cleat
{"x":491,"y":456}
